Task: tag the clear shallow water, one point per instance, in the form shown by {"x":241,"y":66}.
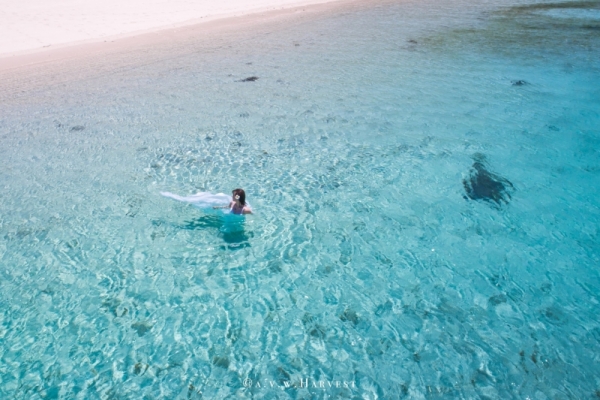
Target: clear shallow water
{"x":364,"y":262}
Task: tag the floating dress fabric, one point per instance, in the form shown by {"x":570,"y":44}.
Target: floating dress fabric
{"x":204,"y":200}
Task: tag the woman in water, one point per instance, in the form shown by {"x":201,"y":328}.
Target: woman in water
{"x":238,"y":204}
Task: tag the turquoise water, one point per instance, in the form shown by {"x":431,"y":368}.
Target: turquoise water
{"x":367,"y":270}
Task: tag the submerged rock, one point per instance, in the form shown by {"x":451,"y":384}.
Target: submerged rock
{"x":485,"y":185}
{"x":249,"y":79}
{"x":349,"y":316}
{"x":141,"y":327}
{"x":498,"y":299}
{"x":519,"y":83}
{"x":222,"y":362}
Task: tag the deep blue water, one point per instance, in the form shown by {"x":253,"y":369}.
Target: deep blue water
{"x":425,"y":183}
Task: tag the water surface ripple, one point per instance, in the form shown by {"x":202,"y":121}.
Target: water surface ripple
{"x":424,"y":177}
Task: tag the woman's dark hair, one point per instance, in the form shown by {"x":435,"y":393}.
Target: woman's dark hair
{"x":242,"y":194}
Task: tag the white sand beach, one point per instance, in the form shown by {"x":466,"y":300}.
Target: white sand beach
{"x":40,"y":25}
{"x":102,"y":43}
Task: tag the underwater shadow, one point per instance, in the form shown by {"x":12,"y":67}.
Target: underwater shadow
{"x":204,"y":222}
{"x":236,"y":240}
{"x":230,"y":228}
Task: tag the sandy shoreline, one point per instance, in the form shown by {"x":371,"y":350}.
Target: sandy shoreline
{"x":38,"y":24}
{"x":24,"y":78}
{"x":29,"y":42}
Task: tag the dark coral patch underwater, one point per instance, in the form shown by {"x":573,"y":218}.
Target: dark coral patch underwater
{"x":485,"y":185}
